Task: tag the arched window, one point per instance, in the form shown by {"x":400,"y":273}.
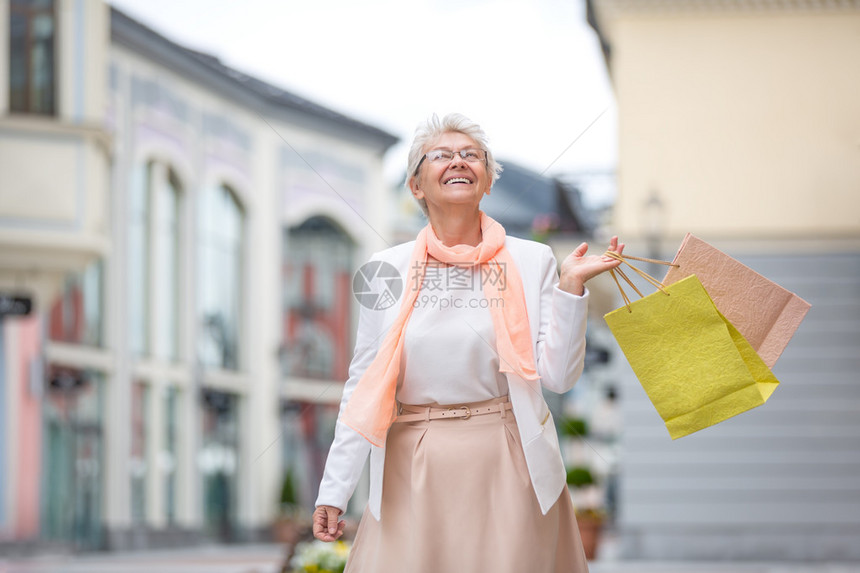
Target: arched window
{"x":154,"y":246}
{"x":220,"y":249}
{"x":166,"y":264}
{"x":317,"y":299}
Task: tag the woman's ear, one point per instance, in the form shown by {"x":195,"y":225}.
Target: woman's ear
{"x":413,"y":186}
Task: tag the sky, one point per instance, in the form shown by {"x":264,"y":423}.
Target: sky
{"x":529,"y":72}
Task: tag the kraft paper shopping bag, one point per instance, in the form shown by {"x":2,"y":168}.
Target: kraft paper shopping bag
{"x":765,"y":313}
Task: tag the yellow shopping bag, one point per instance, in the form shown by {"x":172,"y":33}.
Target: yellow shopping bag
{"x":696,"y":368}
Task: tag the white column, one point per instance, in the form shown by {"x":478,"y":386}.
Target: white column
{"x":188,"y":484}
{"x":189,"y":511}
{"x":4,"y":57}
{"x":117,"y":415}
{"x":261,"y":449}
{"x":10,"y":421}
{"x":155,"y":509}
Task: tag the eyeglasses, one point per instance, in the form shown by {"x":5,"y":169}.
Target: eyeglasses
{"x":469,"y":155}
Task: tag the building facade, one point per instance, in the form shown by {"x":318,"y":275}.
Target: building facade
{"x":185,"y":234}
{"x":738,"y":123}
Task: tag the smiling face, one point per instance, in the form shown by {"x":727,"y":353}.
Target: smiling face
{"x":445,"y":185}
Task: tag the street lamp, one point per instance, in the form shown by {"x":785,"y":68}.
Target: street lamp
{"x":653,"y":222}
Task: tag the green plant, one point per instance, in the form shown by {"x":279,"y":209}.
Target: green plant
{"x":292,"y":523}
{"x":288,"y":490}
{"x":574,"y":427}
{"x":580,"y":476}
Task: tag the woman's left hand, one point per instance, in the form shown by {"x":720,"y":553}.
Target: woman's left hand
{"x":578,"y":268}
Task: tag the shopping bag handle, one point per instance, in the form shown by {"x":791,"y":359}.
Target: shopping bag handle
{"x":625,"y":259}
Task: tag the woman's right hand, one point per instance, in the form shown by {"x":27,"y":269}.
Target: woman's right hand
{"x":326,"y":527}
{"x":577,"y":268}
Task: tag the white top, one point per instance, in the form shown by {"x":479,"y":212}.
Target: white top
{"x":451,"y":313}
{"x":557,"y":322}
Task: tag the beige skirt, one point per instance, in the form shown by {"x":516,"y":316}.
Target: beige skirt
{"x":457,"y":497}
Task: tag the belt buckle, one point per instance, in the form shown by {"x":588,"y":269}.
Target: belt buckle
{"x":466,"y":408}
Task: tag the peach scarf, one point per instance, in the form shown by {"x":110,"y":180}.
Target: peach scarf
{"x":371,"y":408}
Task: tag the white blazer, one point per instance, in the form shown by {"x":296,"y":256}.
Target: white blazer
{"x":557,"y":321}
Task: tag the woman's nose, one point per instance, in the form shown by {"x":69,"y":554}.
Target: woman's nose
{"x":457,"y":160}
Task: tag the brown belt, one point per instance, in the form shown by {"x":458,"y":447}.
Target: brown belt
{"x":466,"y":411}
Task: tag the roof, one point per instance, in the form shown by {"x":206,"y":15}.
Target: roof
{"x":593,"y":21}
{"x":522,"y":197}
{"x":232,"y":83}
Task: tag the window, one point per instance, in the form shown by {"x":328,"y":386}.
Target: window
{"x":138,"y":463}
{"x":76,"y":315}
{"x":73,"y":411}
{"x":318,"y":293}
{"x":307,"y":432}
{"x":32,"y":67}
{"x":154,"y":245}
{"x":170,"y":451}
{"x":221,"y":243}
{"x":165,"y":191}
{"x":218,"y":461}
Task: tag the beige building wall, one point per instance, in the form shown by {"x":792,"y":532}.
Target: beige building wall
{"x":743,"y":120}
{"x":51,"y":225}
{"x":739,"y":122}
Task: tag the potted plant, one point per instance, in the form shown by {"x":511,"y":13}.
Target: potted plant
{"x":292,"y":524}
{"x":589,"y":513}
{"x":584,"y":490}
{"x":572,"y":430}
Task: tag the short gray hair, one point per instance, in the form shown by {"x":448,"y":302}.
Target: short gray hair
{"x":434,"y":128}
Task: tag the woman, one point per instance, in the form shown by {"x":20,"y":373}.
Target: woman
{"x":444,"y":390}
